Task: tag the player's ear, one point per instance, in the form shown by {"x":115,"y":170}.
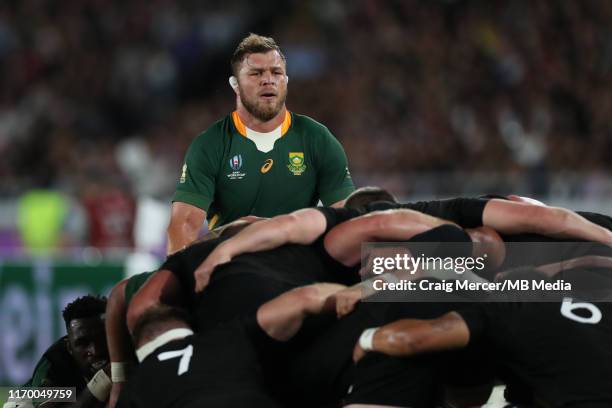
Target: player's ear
{"x":233,"y":81}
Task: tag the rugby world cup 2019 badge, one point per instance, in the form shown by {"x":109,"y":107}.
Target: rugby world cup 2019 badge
{"x":236,"y":164}
{"x":296,"y":163}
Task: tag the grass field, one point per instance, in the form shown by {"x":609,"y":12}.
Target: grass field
{"x":3,"y":394}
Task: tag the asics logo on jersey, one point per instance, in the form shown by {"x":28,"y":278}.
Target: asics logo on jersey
{"x":267,"y":166}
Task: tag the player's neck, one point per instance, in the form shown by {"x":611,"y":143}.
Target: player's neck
{"x":258,"y":125}
{"x":153,"y":341}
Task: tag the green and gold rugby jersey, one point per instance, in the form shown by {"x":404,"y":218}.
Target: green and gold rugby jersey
{"x":227,"y":174}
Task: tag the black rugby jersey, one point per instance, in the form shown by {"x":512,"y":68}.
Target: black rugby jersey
{"x":252,"y":279}
{"x":297,"y":264}
{"x":466,"y":212}
{"x":561,"y":350}
{"x":216,"y":368}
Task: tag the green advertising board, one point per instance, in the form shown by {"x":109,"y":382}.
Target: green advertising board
{"x":32,"y":297}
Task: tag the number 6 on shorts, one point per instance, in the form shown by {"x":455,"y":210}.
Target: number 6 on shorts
{"x":568,"y":306}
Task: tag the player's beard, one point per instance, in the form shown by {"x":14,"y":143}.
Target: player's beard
{"x":261,"y":110}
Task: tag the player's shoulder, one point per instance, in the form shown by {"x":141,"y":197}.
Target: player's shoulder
{"x":57,"y":367}
{"x":134,"y":283}
{"x":58,"y":349}
{"x":59,"y":357}
{"x":217,"y":133}
{"x":40,"y":373}
{"x":139,"y":278}
{"x":308,"y":124}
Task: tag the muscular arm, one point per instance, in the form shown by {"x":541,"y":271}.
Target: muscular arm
{"x":299,"y":227}
{"x":282,"y":317}
{"x":509,"y":217}
{"x":117,"y":336}
{"x":186,"y":221}
{"x":161,"y":287}
{"x":120,"y":349}
{"x":346,"y":299}
{"x":343,"y":242}
{"x":409,"y":337}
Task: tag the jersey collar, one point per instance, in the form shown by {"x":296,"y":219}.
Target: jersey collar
{"x":241,"y":128}
{"x":164,"y":338}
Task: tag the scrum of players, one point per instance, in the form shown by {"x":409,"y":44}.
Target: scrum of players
{"x":273,"y":313}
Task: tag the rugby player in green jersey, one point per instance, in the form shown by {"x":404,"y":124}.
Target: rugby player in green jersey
{"x":261,"y":159}
{"x":79,"y":359}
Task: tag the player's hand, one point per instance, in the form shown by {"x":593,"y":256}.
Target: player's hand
{"x":358,"y":352}
{"x":114,"y":395}
{"x":346,"y":300}
{"x":202,"y":274}
{"x":327,"y":291}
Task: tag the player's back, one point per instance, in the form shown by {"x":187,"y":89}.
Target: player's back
{"x":292,"y":263}
{"x":562,"y":349}
{"x":241,"y":286}
{"x":216,"y":368}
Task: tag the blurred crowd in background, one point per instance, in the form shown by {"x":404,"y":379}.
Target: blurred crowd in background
{"x":99,"y":99}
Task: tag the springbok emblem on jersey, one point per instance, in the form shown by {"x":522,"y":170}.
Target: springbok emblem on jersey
{"x":296,"y":163}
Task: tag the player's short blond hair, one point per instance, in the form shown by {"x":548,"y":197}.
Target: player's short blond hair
{"x":253,"y":44}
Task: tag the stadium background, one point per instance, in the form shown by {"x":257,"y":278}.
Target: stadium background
{"x":100,"y":99}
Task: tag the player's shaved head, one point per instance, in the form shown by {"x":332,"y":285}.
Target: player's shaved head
{"x":157,"y":320}
{"x":253,"y":44}
{"x":360,"y":198}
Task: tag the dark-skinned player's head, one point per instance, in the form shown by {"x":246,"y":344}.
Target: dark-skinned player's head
{"x":84,"y":319}
{"x":363,"y":196}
